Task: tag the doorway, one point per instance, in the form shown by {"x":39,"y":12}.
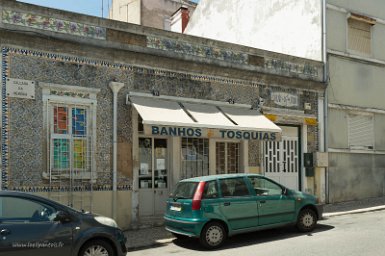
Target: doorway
{"x":281,"y":158}
{"x":153,"y":175}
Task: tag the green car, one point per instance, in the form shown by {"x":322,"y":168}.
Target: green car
{"x":215,"y":207}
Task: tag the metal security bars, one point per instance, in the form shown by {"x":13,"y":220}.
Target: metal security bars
{"x":195,"y":157}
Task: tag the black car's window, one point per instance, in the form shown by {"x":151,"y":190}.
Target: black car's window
{"x":211,"y":190}
{"x":264,"y":187}
{"x":234,"y":187}
{"x":14,"y":209}
{"x":185,"y":190}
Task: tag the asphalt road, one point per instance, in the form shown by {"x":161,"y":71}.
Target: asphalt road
{"x":348,"y":235}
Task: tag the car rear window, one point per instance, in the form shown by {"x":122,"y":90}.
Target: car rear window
{"x":185,"y":190}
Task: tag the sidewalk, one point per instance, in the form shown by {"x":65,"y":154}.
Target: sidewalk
{"x":156,"y":235}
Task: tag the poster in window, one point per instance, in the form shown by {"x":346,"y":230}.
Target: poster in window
{"x":143,"y":168}
{"x":161,"y":164}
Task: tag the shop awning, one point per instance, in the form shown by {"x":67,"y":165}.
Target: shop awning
{"x":172,"y":116}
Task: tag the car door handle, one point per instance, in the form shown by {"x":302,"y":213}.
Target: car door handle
{"x":262,"y":202}
{"x":226,"y":204}
{"x":5,"y":232}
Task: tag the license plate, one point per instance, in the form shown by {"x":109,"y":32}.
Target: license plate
{"x":176,"y":208}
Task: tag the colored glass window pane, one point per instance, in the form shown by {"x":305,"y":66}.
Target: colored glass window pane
{"x":80,"y":149}
{"x":60,"y":117}
{"x":79,"y":119}
{"x":61,"y":153}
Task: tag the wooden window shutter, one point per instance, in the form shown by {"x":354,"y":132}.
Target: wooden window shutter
{"x":359,"y":33}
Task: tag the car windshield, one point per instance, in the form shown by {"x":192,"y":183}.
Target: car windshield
{"x":185,"y":190}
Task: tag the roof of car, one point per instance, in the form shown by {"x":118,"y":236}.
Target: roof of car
{"x":219,"y":176}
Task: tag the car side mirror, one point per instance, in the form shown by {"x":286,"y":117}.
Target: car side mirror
{"x":63,"y":217}
{"x":284,"y":191}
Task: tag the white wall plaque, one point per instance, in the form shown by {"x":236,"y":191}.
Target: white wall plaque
{"x":19,"y":88}
{"x":285,"y":99}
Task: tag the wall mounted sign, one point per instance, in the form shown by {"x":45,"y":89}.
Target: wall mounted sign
{"x":195,"y":132}
{"x":285,"y":99}
{"x":19,"y":88}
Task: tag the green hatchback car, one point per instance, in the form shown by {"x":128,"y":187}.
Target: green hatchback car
{"x":215,"y":207}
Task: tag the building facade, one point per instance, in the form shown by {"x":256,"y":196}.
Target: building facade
{"x":356,"y":109}
{"x":108,"y":116}
{"x":150,"y":13}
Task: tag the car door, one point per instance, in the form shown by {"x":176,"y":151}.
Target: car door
{"x":27,"y":228}
{"x":237,"y":204}
{"x":274,"y":207}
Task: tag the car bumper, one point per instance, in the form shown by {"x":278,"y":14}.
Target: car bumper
{"x":320,"y":210}
{"x":187,"y":227}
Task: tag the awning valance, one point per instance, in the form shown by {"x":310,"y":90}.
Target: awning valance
{"x":184,"y":117}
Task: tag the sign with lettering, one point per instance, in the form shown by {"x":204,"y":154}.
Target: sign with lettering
{"x":195,"y":132}
{"x":285,"y":99}
{"x":19,"y":88}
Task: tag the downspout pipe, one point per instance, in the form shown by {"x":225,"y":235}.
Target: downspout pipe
{"x":115,"y":87}
{"x":326,"y":80}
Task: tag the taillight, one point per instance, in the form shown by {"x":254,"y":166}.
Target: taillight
{"x":196,"y":203}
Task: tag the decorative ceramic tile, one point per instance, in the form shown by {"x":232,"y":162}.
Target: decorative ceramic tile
{"x":53,"y":24}
{"x":203,"y":51}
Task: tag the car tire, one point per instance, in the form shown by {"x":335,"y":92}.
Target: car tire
{"x":97,"y":248}
{"x":213,"y":235}
{"x":307,"y":220}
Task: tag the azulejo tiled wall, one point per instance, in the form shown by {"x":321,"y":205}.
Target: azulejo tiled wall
{"x":53,"y":24}
{"x":24,"y":144}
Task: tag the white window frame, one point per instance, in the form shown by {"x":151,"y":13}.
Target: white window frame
{"x":61,"y":95}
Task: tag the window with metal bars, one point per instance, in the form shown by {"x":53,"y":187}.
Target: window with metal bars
{"x":195,"y":157}
{"x":70,"y":140}
{"x":227,"y":157}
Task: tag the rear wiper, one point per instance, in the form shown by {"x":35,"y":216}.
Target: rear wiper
{"x":178,"y":197}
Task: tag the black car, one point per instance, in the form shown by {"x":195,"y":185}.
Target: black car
{"x":32,"y":225}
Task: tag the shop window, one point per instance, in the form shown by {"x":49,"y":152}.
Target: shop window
{"x":360,"y":34}
{"x":70,"y":140}
{"x":361,"y":131}
{"x":195,"y":157}
{"x":227,"y":157}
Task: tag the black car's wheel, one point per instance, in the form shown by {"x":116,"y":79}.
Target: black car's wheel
{"x":213,"y":235}
{"x":307,"y":220}
{"x":97,"y":248}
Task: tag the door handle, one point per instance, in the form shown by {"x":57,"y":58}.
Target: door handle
{"x":226,"y":203}
{"x":5,"y":232}
{"x":262,"y":202}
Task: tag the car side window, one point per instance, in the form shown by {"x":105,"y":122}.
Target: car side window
{"x":14,"y":209}
{"x":211,"y":190}
{"x":264,"y":187}
{"x":234,"y":187}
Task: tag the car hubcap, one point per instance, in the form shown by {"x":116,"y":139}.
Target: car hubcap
{"x":96,"y":250}
{"x":214,"y":235}
{"x":308,"y":220}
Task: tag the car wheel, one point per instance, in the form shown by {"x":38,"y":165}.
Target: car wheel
{"x":307,"y":219}
{"x":213,"y":235}
{"x":97,"y":248}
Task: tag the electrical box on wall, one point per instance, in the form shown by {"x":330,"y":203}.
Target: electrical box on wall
{"x":316,"y":159}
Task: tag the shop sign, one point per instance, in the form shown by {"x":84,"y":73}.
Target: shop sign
{"x":211,"y":133}
{"x":285,"y":99}
{"x":19,"y":88}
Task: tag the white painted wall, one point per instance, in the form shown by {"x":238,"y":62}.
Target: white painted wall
{"x":292,"y":27}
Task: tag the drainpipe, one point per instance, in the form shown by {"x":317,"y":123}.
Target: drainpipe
{"x":325,"y":111}
{"x":115,"y":87}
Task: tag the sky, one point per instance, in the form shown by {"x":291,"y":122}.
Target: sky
{"x":89,"y":7}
